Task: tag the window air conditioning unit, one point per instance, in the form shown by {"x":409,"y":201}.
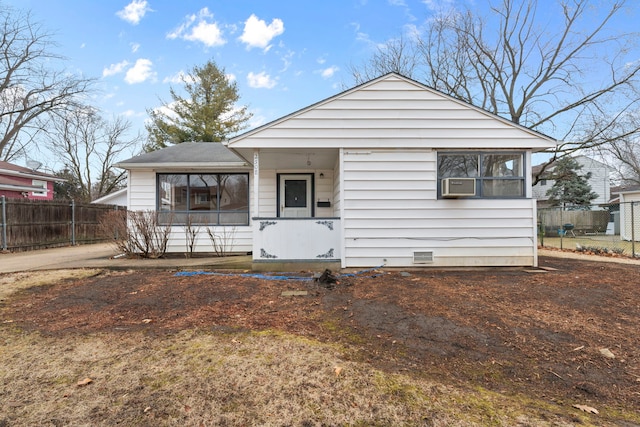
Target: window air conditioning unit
{"x":458,"y":187}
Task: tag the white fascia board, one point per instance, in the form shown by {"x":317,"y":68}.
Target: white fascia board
{"x":183,"y":165}
{"x":28,"y":188}
{"x":10,"y":172}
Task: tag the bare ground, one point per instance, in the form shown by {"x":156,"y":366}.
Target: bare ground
{"x":537,"y":340}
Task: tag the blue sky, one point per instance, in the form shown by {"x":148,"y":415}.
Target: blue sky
{"x":284,"y":54}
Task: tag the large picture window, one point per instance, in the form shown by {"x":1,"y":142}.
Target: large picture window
{"x":497,"y":174}
{"x":204,"y":198}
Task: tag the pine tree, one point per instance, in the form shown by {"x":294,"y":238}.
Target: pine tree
{"x":571,"y":190}
{"x":207,"y":114}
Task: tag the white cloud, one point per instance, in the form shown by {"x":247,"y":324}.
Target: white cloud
{"x":114,"y":69}
{"x":258,"y":34}
{"x":134,"y":11}
{"x":134,"y":47}
{"x":260,"y":80}
{"x":130,"y":113}
{"x":140,"y":72}
{"x":199,"y":28}
{"x":176,"y":78}
{"x":329,"y":72}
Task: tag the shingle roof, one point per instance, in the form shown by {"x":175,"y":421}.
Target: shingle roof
{"x":187,"y":154}
{"x":22,"y":171}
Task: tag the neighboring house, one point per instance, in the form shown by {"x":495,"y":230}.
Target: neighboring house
{"x":389,"y":173}
{"x":117,"y":198}
{"x":630,"y":215}
{"x":599,"y":181}
{"x":24,"y":183}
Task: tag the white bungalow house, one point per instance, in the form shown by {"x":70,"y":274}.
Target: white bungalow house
{"x":390,"y":172}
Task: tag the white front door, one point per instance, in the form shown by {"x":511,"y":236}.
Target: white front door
{"x":295,"y":196}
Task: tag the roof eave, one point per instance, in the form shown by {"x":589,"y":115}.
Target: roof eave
{"x":22,"y":188}
{"x":21,"y":174}
{"x":184,"y":165}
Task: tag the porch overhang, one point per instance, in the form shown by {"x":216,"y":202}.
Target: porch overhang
{"x":291,"y":158}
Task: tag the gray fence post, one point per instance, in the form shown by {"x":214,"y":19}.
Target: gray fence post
{"x":115,"y":222}
{"x":73,"y":222}
{"x":4,"y":223}
{"x":561,"y":231}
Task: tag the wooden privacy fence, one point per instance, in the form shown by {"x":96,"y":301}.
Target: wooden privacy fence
{"x":584,"y":222}
{"x":28,"y":224}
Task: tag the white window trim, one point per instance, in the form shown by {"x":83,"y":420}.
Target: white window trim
{"x":42,"y":184}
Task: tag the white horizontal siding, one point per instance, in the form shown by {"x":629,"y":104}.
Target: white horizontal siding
{"x":392,"y":211}
{"x":416,"y":141}
{"x":268,"y":193}
{"x":239,"y":239}
{"x":142,"y":190}
{"x":337,"y":198}
{"x":391,"y":112}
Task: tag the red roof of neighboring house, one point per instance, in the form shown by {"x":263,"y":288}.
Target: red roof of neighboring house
{"x":10,"y":169}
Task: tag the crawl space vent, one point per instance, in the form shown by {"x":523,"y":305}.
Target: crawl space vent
{"x":423,"y":257}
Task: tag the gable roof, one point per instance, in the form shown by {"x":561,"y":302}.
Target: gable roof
{"x":428,"y":110}
{"x":191,"y":155}
{"x":118,"y":197}
{"x":9,"y":169}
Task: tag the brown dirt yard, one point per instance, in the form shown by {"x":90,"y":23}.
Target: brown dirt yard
{"x":556,"y":346}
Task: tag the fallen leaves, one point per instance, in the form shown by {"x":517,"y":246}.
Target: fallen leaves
{"x":607,"y":353}
{"x":84,"y":382}
{"x":586,"y":408}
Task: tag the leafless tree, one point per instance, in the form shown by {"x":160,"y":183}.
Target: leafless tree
{"x":32,"y":86}
{"x":573,"y":80}
{"x":90,"y":146}
{"x":622,"y":152}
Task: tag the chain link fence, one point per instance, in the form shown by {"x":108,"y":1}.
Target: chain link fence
{"x":607,"y":229}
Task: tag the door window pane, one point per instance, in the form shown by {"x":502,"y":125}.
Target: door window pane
{"x":295,"y":193}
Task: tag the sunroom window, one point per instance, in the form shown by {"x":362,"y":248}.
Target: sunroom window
{"x":497,"y":175}
{"x":204,"y":198}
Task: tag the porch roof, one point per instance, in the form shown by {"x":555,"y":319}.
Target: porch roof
{"x":187,"y":155}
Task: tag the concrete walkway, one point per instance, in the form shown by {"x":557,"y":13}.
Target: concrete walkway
{"x":104,"y":255}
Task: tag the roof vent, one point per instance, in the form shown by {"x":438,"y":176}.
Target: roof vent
{"x":423,"y":257}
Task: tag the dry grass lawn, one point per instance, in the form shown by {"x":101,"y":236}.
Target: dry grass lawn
{"x":226,"y":377}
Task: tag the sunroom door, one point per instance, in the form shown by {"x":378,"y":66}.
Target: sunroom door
{"x":295,"y":196}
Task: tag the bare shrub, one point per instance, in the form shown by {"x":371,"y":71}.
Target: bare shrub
{"x":112,"y":225}
{"x":191,"y":235}
{"x":222,"y":240}
{"x":137,"y":233}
